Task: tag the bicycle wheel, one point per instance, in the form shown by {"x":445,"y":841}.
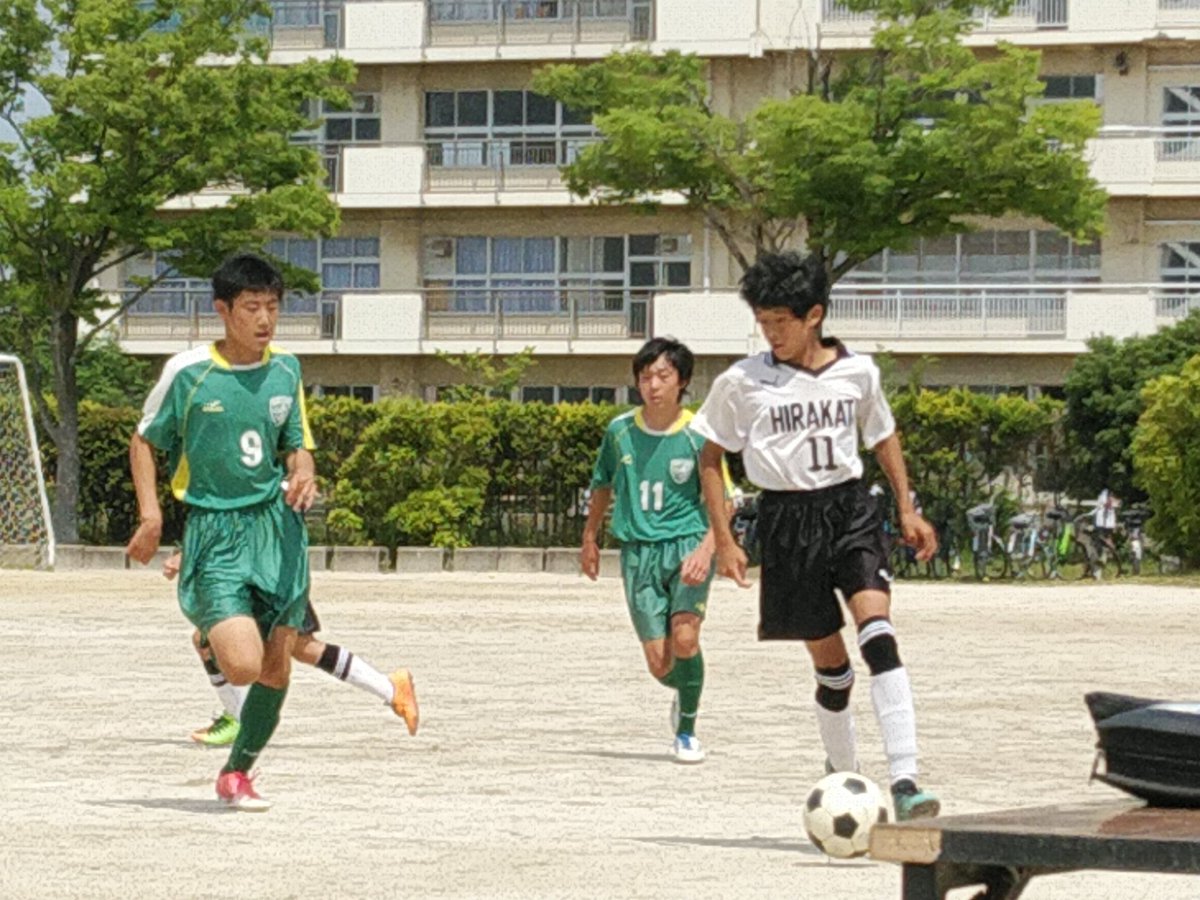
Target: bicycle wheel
{"x":997,"y":564}
{"x":1047,"y":562}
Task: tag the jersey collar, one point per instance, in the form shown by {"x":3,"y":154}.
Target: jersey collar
{"x":842,"y":353}
{"x":223,"y":363}
{"x":678,"y":425}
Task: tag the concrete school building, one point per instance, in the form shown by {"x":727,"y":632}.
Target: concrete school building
{"x":459,"y":235}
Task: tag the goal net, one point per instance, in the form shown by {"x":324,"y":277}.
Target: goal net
{"x":26,"y":535}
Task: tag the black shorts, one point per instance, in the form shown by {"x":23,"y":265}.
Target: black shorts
{"x":311,"y":624}
{"x":813,"y":543}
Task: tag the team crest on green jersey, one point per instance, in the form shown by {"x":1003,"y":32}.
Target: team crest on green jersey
{"x":681,"y":469}
{"x":280,"y":407}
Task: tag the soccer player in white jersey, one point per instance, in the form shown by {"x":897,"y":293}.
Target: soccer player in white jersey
{"x":797,"y":413}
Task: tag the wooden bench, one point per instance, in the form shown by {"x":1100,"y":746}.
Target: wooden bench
{"x":1002,"y":851}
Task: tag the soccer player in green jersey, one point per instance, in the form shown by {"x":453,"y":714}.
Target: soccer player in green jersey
{"x":231,"y":418}
{"x":647,"y":471}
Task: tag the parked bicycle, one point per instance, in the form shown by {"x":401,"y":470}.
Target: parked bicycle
{"x":1028,"y":547}
{"x":1101,"y":558}
{"x":988,"y":553}
{"x":1059,"y":535}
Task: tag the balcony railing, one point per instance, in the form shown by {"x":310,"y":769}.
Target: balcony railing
{"x":947,"y":311}
{"x":1174,"y":305}
{"x":1025,"y":14}
{"x":1178,"y":12}
{"x":303,"y":24}
{"x":551,"y":312}
{"x":185,"y":313}
{"x":519,"y":163}
{"x":539,"y":21}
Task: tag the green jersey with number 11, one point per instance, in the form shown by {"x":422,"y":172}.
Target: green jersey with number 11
{"x":224,"y":427}
{"x":655,"y":478}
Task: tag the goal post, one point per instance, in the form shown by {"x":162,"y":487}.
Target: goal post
{"x":26,"y":531}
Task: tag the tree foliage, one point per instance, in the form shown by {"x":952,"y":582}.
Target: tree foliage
{"x":1105,"y":400}
{"x":1166,"y":455}
{"x":870,"y":150}
{"x":146,"y":106}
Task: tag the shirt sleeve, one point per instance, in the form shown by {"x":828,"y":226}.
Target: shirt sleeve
{"x":296,"y":433}
{"x":604,"y":470}
{"x":162,"y":413}
{"x":875,"y":421}
{"x":719,"y":418}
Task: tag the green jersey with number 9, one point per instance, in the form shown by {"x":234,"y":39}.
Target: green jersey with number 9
{"x":655,"y":478}
{"x":224,"y":427}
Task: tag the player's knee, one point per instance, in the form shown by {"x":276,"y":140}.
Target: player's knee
{"x":241,"y":672}
{"x":659,"y":664}
{"x":685,"y":644}
{"x":877,"y":640}
{"x":833,"y":686}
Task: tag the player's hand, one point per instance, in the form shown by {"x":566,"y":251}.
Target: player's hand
{"x":171,"y":566}
{"x":696,"y":566}
{"x":144,"y":543}
{"x":300,"y":491}
{"x":919,"y":535}
{"x":732,"y":562}
{"x":589,"y":558}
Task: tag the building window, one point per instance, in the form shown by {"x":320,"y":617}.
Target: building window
{"x":173,"y":294}
{"x":367,"y":393}
{"x":343,"y":263}
{"x":1180,"y":263}
{"x":360,"y":124}
{"x":1181,"y":107}
{"x":502,"y":128}
{"x":552,"y":275}
{"x":1070,"y":87}
{"x":979,"y":257}
{"x":560,"y":394}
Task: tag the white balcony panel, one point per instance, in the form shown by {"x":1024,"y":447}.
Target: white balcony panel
{"x":381,"y":323}
{"x":381,"y":175}
{"x":395,"y":25}
{"x":695,"y":24}
{"x":1149,"y":163}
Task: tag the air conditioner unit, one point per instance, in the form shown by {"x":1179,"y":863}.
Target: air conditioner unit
{"x":441,"y":248}
{"x":670,"y":246}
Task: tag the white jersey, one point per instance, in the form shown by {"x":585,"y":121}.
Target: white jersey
{"x":797,"y":429}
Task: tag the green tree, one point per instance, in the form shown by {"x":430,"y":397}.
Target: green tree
{"x":1166,"y":454}
{"x":870,"y":150}
{"x":486,"y":375}
{"x":146,"y":103}
{"x":1105,"y":400}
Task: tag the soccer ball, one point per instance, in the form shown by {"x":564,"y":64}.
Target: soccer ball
{"x":839,"y":813}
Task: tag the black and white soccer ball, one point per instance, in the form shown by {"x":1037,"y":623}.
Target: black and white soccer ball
{"x":840,"y":812}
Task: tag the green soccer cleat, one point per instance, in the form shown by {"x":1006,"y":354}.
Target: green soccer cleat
{"x":913,"y":803}
{"x":221,"y":733}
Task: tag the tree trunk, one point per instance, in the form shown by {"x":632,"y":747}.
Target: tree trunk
{"x":63,"y":335}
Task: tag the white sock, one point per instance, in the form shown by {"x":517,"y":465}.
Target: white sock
{"x":360,"y":673}
{"x":891,"y":695}
{"x":837,"y":734}
{"x":232,"y":697}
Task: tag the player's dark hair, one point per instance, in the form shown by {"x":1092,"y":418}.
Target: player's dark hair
{"x":676,"y":352}
{"x":786,"y":280}
{"x":246,"y":272}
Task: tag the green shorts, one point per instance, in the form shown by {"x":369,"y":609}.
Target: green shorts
{"x":245,"y":562}
{"x":653,"y":588}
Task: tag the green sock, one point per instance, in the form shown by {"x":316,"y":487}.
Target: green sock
{"x":260,"y":715}
{"x":689,"y":674}
{"x":671,"y":679}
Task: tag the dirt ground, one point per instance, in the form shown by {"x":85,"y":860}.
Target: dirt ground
{"x":542,"y":766}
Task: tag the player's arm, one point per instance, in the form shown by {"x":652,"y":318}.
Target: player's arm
{"x":144,"y":543}
{"x":298,"y":444}
{"x":589,"y":551}
{"x":698,"y":563}
{"x":917,"y":532}
{"x":731,"y":559}
{"x":301,"y":491}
